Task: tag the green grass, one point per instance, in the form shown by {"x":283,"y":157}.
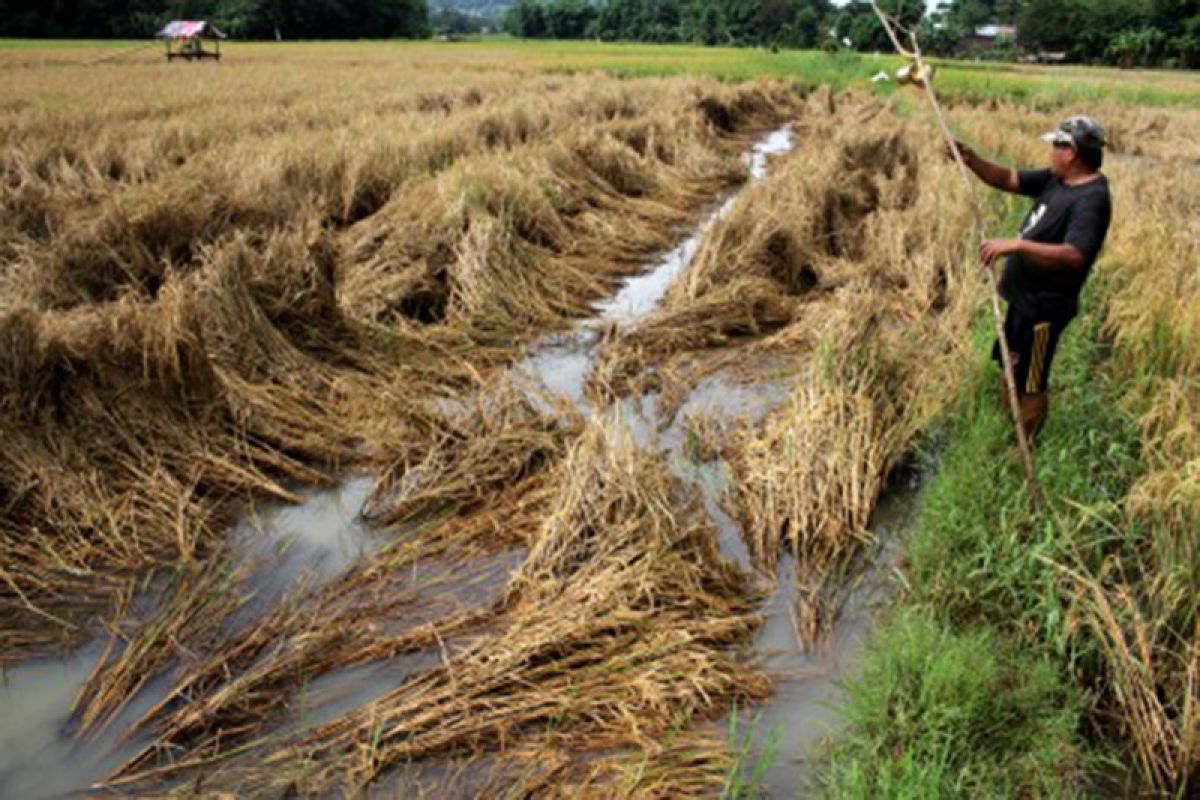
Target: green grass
{"x":1043,"y":87}
{"x":978,"y":685}
{"x":750,"y":762}
{"x":1038,"y":86}
{"x":945,"y":714}
{"x":67,"y":44}
{"x":978,"y":553}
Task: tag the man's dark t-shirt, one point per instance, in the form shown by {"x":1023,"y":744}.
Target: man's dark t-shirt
{"x":1077,"y":215}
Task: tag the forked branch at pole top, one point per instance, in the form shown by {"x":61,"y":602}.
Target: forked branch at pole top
{"x":924,"y":76}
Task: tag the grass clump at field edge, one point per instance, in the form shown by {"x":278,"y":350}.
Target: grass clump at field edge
{"x":956,"y":714}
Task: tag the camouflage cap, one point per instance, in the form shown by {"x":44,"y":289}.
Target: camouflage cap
{"x":1082,"y":133}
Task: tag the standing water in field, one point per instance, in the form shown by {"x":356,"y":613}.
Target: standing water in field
{"x":561,"y":363}
{"x":318,"y":540}
{"x":643,"y":292}
{"x":39,"y":755}
{"x":315,"y":541}
{"x":801,"y":713}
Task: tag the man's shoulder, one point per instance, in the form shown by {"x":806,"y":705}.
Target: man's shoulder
{"x":1091,"y":192}
{"x":1035,"y":182}
{"x":1097,"y":191}
{"x":1098,"y":183}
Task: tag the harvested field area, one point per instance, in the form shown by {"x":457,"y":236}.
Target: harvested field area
{"x":442,"y":428}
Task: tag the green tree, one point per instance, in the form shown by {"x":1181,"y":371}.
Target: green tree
{"x":1179,"y":20}
{"x":1138,"y":47}
{"x":247,"y":18}
{"x":806,"y":27}
{"x":858,"y":22}
{"x":704,"y":22}
{"x":527,"y":19}
{"x":448,"y":21}
{"x":1082,"y":28}
{"x":569,"y":19}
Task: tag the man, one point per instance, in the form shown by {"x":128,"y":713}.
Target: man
{"x":1046,"y":267}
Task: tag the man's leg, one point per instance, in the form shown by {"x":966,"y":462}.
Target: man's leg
{"x":1032,"y":344}
{"x":1018,"y":334}
{"x":1035,"y":395}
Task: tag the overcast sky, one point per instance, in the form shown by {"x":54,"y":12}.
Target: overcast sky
{"x":929,"y":4}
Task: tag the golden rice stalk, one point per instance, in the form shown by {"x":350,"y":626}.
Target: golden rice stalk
{"x":619,"y":617}
{"x":1144,"y":673}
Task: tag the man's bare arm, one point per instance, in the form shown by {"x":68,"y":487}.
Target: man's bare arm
{"x":1046,"y":256}
{"x":994,"y":175}
{"x":1051,"y":256}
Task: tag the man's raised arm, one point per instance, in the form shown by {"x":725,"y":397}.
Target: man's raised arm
{"x":994,"y":175}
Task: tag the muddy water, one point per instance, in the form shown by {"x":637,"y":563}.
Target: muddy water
{"x":561,"y":363}
{"x":802,"y":713}
{"x":40,"y":754}
{"x":308,"y":544}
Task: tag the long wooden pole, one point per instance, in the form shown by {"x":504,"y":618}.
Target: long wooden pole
{"x":925,"y":77}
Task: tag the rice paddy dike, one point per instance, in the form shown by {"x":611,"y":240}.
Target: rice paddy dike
{"x":419,"y":421}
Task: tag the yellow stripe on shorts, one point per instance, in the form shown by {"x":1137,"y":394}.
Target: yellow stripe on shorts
{"x":1041,"y":336}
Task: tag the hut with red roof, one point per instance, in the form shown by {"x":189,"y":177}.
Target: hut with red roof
{"x":185,"y":39}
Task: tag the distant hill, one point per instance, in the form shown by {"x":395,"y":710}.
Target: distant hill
{"x":489,"y":9}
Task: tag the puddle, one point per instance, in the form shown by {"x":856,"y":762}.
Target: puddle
{"x":560,"y":365}
{"x":711,"y":478}
{"x":802,"y":714}
{"x":322,"y":536}
{"x":311,"y":543}
{"x":39,"y":754}
{"x":717,"y":396}
{"x":452,"y":589}
{"x":337,"y":693}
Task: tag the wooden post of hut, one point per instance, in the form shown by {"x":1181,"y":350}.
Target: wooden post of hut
{"x":186,"y":40}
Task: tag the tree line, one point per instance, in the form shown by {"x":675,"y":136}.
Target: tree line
{"x":1121,"y":32}
{"x":245,"y":19}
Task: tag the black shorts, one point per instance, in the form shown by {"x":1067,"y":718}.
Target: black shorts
{"x":1032,"y":342}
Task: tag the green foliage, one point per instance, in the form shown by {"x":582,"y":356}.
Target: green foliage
{"x":526,"y":18}
{"x":1131,"y":48}
{"x":1127,"y":33}
{"x":979,"y":556}
{"x":1082,"y":28}
{"x":791,"y":23}
{"x":448,"y":21}
{"x":551,"y":19}
{"x":1122,"y":32}
{"x":858,"y":22}
{"x":704,"y":23}
{"x":255,"y":19}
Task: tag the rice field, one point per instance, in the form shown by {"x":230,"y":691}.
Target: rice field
{"x":483,"y":420}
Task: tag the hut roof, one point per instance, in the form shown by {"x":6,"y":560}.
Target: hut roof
{"x":183,"y":29}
